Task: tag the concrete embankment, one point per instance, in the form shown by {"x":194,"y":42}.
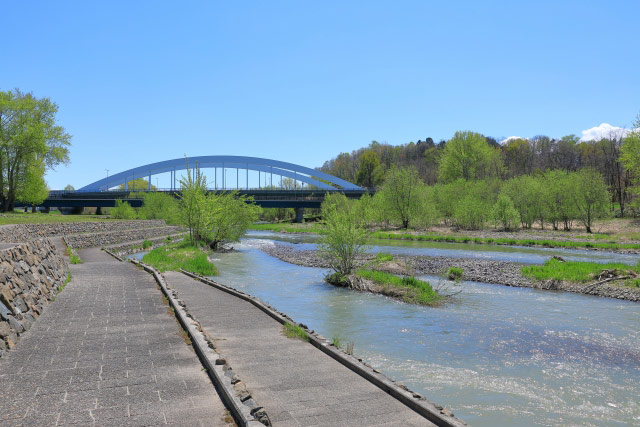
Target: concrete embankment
{"x":295,"y":382}
{"x":485,"y":271}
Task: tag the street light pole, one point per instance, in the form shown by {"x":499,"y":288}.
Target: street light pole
{"x":107,"y":179}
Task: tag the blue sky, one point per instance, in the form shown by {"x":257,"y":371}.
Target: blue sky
{"x":145,"y":81}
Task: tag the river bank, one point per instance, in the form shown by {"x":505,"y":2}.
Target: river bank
{"x":476,"y":270}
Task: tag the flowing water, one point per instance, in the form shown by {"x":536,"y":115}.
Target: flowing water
{"x":495,"y":355}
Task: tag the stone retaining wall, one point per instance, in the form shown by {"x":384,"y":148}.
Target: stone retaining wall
{"x":26,"y":232}
{"x":30,"y":274}
{"x":89,"y":240}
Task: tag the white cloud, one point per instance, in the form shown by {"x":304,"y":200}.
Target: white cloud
{"x":605,"y":130}
{"x":506,"y":140}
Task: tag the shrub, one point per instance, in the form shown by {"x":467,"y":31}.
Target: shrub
{"x":123,"y":210}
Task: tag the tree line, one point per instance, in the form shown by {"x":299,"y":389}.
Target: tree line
{"x":555,"y":200}
{"x":473,"y":156}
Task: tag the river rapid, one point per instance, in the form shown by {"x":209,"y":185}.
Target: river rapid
{"x":495,"y":355}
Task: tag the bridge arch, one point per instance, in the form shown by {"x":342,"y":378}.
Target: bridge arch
{"x":273,"y":167}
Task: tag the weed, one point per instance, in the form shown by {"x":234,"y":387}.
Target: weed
{"x":294,"y":332}
{"x":349,"y":348}
{"x":632,"y":283}
{"x":454,"y":273}
{"x":147,"y":244}
{"x":336,"y":342}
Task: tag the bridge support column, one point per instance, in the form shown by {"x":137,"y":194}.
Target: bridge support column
{"x":299,"y":214}
{"x":47,"y":209}
{"x":99,"y":210}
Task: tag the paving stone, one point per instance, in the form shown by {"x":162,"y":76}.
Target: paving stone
{"x":88,"y":356}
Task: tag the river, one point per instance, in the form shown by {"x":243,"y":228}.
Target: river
{"x":496,"y":355}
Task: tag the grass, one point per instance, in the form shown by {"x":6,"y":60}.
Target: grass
{"x":382,"y":257}
{"x":295,"y":332}
{"x":632,"y":283}
{"x":336,"y":342}
{"x":419,"y":292}
{"x":180,"y":255}
{"x":147,"y":244}
{"x":504,"y":241}
{"x":73,"y":257}
{"x":571,"y":271}
{"x":454,"y":273}
{"x":289,"y":228}
{"x":61,"y":287}
{"x":42,"y":218}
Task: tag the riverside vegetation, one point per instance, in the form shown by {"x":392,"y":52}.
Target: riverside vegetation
{"x":344,"y":242}
{"x":213,"y":220}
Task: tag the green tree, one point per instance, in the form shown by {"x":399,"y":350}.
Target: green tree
{"x":630,"y":152}
{"x":345,"y":235}
{"x":370,"y":173}
{"x":468,"y":156}
{"x":69,"y":187}
{"x":226,"y":217}
{"x":160,"y":206}
{"x":504,"y":214}
{"x":32,"y":188}
{"x":138,"y":184}
{"x":472,"y":212}
{"x":192,"y":200}
{"x":592,"y":196}
{"x":447,"y":196}
{"x":400,"y":193}
{"x":558,"y":198}
{"x":525,"y":192}
{"x":29,"y":136}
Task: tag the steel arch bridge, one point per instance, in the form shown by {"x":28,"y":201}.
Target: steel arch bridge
{"x":298,"y":173}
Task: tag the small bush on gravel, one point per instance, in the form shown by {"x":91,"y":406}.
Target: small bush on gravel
{"x":454,"y":273}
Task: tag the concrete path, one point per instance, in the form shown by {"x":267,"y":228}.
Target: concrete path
{"x":106,"y":352}
{"x":296,"y":383}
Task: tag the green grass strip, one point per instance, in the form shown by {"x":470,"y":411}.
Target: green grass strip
{"x":180,"y":255}
{"x":420,"y":292}
{"x":294,"y":332}
{"x":504,"y":241}
{"x":289,"y":228}
{"x":571,"y":271}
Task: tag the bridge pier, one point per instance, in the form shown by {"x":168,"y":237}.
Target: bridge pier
{"x":299,"y":214}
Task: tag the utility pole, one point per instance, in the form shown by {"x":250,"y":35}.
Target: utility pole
{"x":107,"y":179}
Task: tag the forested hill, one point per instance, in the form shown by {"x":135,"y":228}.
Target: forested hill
{"x":470,"y":156}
